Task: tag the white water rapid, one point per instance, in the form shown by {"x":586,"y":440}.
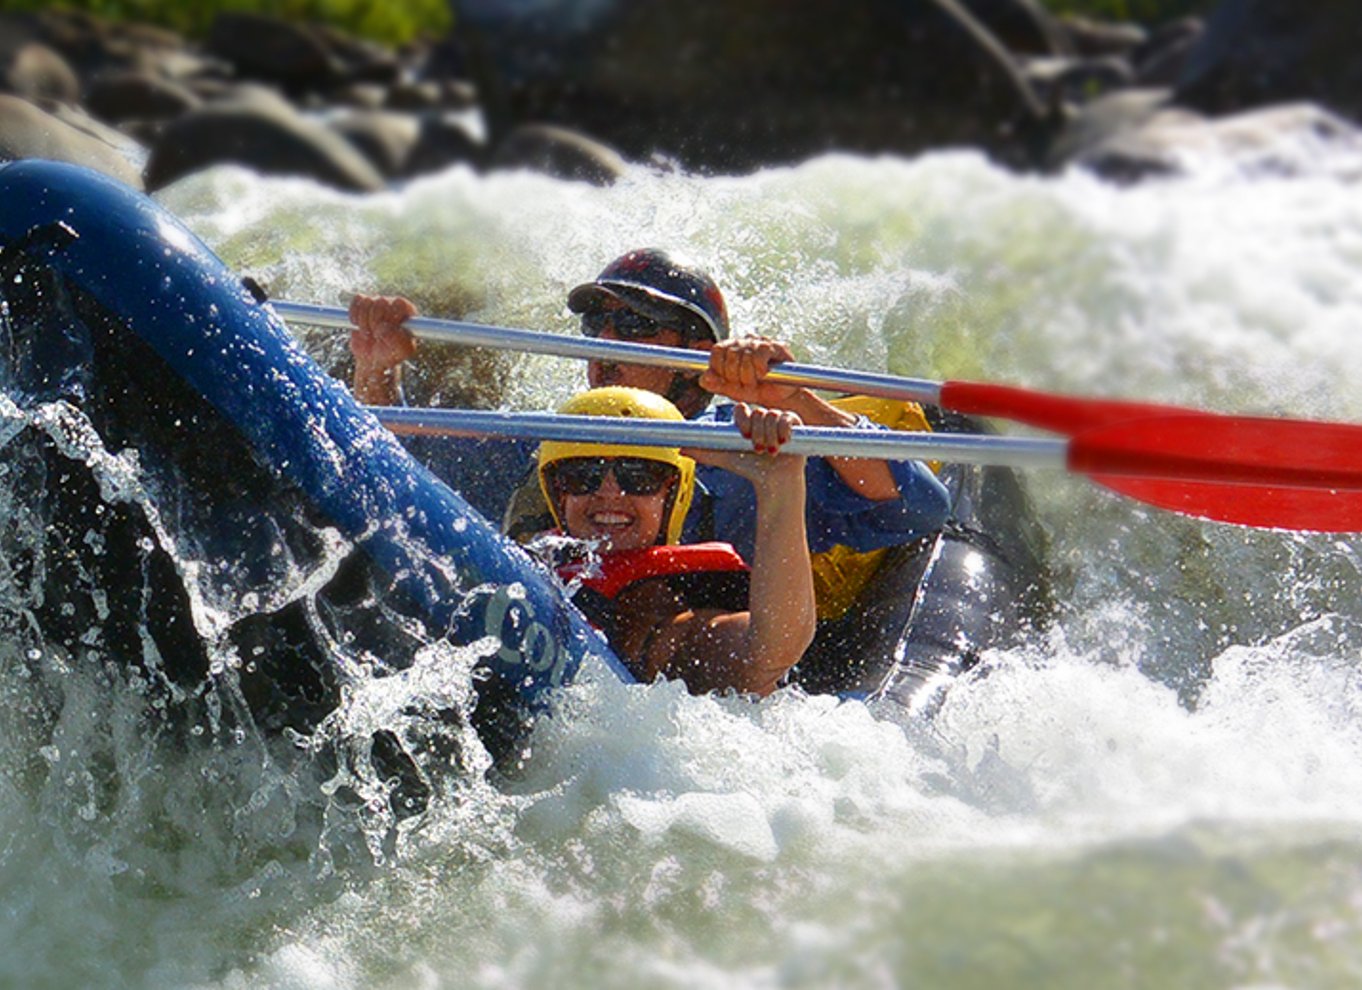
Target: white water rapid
{"x":1164,"y":791}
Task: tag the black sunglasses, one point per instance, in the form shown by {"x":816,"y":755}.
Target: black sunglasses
{"x":634,"y":475}
{"x":627,"y":324}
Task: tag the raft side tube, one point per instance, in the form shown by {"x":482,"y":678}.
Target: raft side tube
{"x":986,"y":587}
{"x":125,"y":254}
{"x":936,"y":605}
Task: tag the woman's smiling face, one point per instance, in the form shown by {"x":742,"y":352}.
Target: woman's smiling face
{"x":619,"y":521}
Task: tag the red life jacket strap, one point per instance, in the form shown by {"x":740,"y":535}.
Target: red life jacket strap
{"x":618,"y":571}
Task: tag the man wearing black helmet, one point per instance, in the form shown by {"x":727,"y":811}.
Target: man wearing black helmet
{"x":647,"y":296}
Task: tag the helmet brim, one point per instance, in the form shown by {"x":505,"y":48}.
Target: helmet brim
{"x":659,"y":306}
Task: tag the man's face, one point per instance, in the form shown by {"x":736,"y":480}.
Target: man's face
{"x":640,"y":331}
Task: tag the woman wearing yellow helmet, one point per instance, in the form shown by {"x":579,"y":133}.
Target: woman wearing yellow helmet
{"x":631,"y":502}
{"x":565,"y":467}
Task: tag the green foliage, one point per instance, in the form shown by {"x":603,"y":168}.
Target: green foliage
{"x":387,"y":21}
{"x":396,"y":21}
{"x":1140,"y":11}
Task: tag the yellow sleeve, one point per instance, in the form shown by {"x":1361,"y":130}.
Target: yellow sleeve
{"x":841,"y":574}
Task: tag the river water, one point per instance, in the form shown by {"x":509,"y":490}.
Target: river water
{"x":1164,"y":790}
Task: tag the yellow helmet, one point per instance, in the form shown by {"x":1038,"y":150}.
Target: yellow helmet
{"x":616,"y":400}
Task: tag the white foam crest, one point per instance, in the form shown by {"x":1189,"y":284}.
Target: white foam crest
{"x":1239,"y":293}
{"x":114,"y":817}
{"x":761,"y":782}
{"x":661,"y":833}
{"x":1100,"y":748}
{"x":1049,"y":749}
{"x":424,"y":709}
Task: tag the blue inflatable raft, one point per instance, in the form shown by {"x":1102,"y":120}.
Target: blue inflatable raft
{"x":165,"y":326}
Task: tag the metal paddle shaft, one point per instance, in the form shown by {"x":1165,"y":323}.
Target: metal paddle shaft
{"x":1265,"y":492}
{"x":813,"y":441}
{"x":621,"y":352}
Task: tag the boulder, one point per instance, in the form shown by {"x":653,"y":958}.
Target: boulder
{"x":36,"y":72}
{"x":27,"y":131}
{"x":361,"y":95}
{"x":385,"y":138}
{"x":444,"y":141}
{"x":1256,"y":52}
{"x":257,"y":96}
{"x":274,"y":50}
{"x":270,"y":137}
{"x":688,"y":80}
{"x":362,"y":61}
{"x":92,"y":44}
{"x":458,"y":94}
{"x":415,"y":94}
{"x":135,"y":94}
{"x":75,"y":116}
{"x":559,"y":152}
{"x":301,"y":57}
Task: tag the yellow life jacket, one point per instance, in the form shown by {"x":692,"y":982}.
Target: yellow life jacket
{"x":841,"y":574}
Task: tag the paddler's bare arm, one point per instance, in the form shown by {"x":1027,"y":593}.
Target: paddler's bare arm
{"x":737,"y":370}
{"x":380,"y":345}
{"x":751,"y":651}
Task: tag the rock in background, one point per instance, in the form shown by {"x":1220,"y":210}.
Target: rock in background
{"x":149,"y":106}
{"x":730,"y":85}
{"x":1256,"y":52}
{"x":580,"y":88}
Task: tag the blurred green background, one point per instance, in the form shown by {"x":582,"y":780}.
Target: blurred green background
{"x":1148,"y":12}
{"x":397,"y":21}
{"x":392,"y":22}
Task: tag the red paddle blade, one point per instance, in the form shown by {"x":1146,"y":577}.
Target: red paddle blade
{"x":1261,"y":506}
{"x":1282,"y":474}
{"x":1065,"y":414}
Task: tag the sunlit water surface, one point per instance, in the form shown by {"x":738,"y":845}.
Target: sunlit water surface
{"x":1166,"y":790}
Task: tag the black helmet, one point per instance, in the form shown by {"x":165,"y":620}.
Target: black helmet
{"x":651,"y":282}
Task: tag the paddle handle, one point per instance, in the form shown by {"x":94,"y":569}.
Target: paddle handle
{"x":621,"y":352}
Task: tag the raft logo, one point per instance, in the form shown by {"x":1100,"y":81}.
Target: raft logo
{"x":525,"y":641}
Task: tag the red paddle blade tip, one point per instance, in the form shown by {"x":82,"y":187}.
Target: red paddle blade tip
{"x":1279,"y":474}
{"x":1261,"y":506}
{"x":1226,"y":450}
